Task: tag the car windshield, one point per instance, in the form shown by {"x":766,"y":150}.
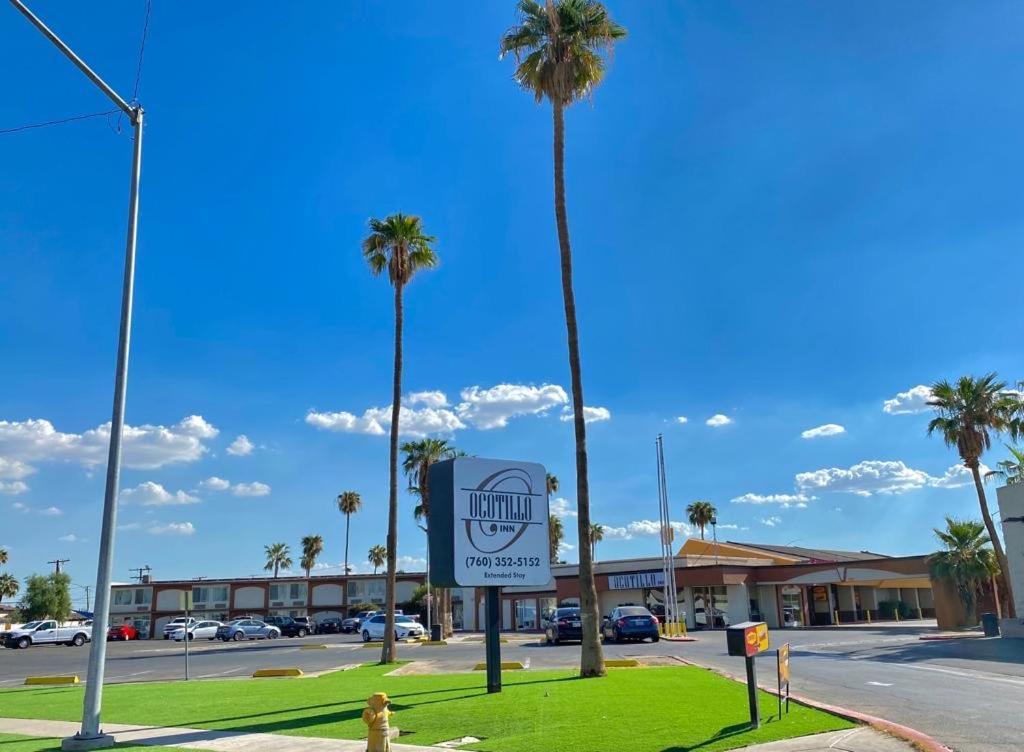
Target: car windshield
{"x":634,"y":611}
{"x":401,"y":618}
{"x":32,"y":625}
{"x":567,"y":612}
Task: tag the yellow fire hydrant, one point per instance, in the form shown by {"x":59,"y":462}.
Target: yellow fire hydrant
{"x":376,"y":717}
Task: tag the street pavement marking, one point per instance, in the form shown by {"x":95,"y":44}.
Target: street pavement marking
{"x":966,"y":673}
{"x":128,"y":676}
{"x":879,"y":684}
{"x":222,"y":673}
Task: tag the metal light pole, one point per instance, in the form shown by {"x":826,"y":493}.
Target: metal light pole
{"x":90,"y":736}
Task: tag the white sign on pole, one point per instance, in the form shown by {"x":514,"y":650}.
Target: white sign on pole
{"x":500,"y":520}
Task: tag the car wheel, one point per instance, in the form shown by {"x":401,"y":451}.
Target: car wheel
{"x":616,"y":637}
{"x":24,"y":642}
{"x":191,"y":637}
{"x":78,"y":641}
{"x":547,"y":638}
{"x":302,"y":633}
{"x":238,"y":636}
{"x":366,"y":636}
{"x":272,"y":635}
{"x":655,"y":638}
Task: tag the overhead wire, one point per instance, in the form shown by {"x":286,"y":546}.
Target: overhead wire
{"x":61,"y":121}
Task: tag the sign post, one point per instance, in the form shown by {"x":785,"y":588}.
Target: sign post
{"x":489,"y":528}
{"x":748,"y":639}
{"x":186,"y":605}
{"x":783,"y":671}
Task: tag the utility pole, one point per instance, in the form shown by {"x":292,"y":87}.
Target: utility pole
{"x":87,"y":589}
{"x":142,"y":572}
{"x":90,"y":736}
{"x":57,"y":564}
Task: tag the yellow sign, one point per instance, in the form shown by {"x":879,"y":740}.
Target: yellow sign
{"x":784,"y":663}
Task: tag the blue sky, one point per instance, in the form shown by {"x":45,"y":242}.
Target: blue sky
{"x":785,"y":215}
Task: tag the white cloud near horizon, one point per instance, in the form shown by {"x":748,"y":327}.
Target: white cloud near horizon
{"x":430,"y":398}
{"x":13,"y":487}
{"x":171,"y":528}
{"x":50,"y":511}
{"x":771,"y":521}
{"x":590,"y":414}
{"x":151,"y":494}
{"x":70,"y":538}
{"x":914,"y":400}
{"x":785,"y":501}
{"x":643,"y":528}
{"x":494,"y":407}
{"x":241,"y":446}
{"x":718,"y":420}
{"x":887,"y":477}
{"x":829,"y":429}
{"x":562,"y":508}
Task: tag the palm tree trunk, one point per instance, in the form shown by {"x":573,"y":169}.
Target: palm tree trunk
{"x":348,"y":525}
{"x":388,"y":653}
{"x":997,"y":546}
{"x":591,"y":656}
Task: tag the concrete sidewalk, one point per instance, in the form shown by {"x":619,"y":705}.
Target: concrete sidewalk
{"x":860,"y":739}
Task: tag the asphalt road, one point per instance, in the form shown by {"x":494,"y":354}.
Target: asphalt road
{"x":968,"y":694}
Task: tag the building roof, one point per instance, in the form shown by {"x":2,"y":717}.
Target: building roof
{"x":813,"y":554}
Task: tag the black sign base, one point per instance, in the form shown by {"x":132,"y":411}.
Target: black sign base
{"x":492,"y":639}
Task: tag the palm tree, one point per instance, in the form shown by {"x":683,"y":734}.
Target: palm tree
{"x":701,"y":514}
{"x":419,"y":456}
{"x":552,"y":484}
{"x":1010,"y":471}
{"x":378,"y":555}
{"x":312,"y":547}
{"x":8,"y":586}
{"x":968,"y":413}
{"x":556,"y":534}
{"x":965,"y":560}
{"x":3,"y":556}
{"x":396,"y":245}
{"x":349,"y":502}
{"x":556,"y":47}
{"x":277,"y":557}
{"x":596,"y":536}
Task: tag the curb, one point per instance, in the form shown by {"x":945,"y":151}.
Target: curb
{"x":918,"y":739}
{"x":937,"y":638}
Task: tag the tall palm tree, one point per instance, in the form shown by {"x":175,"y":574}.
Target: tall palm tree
{"x":378,"y":555}
{"x":419,"y":456}
{"x":557,"y":50}
{"x":8,"y":586}
{"x":312,"y":547}
{"x":965,"y":560}
{"x":277,"y":557}
{"x":700,"y":514}
{"x":3,"y":556}
{"x":1009,"y":471}
{"x":349,"y":502}
{"x":397,"y":246}
{"x":968,"y":413}
{"x":596,"y":536}
{"x":552,"y":484}
{"x":556,"y":534}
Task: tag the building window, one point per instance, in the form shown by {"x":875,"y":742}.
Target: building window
{"x":711,"y":607}
{"x":210,"y":594}
{"x":291,"y":591}
{"x":792,"y":606}
{"x":123,"y":597}
{"x":130,"y":596}
{"x":366,"y":591}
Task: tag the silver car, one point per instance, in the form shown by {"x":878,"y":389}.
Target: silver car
{"x":247,"y":629}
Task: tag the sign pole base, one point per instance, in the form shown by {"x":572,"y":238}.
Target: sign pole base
{"x":755,"y":712}
{"x":492,"y":639}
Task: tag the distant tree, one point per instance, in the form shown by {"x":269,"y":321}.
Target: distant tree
{"x":596,"y":536}
{"x":277,"y":557}
{"x":312,"y":547}
{"x":9,"y":586}
{"x":378,"y":555}
{"x":1009,"y":471}
{"x":349,"y":502}
{"x":965,"y":561}
{"x":552,"y":484}
{"x":556,"y":534}
{"x":3,"y":556}
{"x":47,"y":597}
{"x":700,"y":514}
{"x":968,"y":412}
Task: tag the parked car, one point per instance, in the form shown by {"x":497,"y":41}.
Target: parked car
{"x":311,"y":627}
{"x":330,"y":625}
{"x":47,"y":632}
{"x":247,"y":629}
{"x":179,"y":623}
{"x":122,"y":632}
{"x":373,"y":628}
{"x":630,"y":623}
{"x":564,"y":624}
{"x":289,"y":627}
{"x":355,"y":623}
{"x":202,"y":630}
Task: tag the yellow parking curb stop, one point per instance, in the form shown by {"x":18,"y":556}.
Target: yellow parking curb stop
{"x":51,"y":680}
{"x":269,"y":672}
{"x":622,"y":663}
{"x":505,"y":666}
{"x":313,"y":647}
{"x":373,"y":644}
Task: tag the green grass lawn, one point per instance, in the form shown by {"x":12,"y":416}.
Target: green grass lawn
{"x":11,"y":743}
{"x":669,"y":709}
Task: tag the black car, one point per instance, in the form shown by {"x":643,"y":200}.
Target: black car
{"x":311,"y":627}
{"x":289,"y":627}
{"x":630,"y":623}
{"x":564,"y":624}
{"x":355,"y":623}
{"x":330,"y":625}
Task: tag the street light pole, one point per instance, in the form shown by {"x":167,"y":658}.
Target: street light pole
{"x":90,"y":736}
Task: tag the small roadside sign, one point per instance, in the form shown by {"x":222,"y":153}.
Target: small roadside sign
{"x":783,"y":671}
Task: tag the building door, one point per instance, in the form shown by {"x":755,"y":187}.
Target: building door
{"x":821,"y":606}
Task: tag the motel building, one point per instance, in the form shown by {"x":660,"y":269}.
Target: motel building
{"x":726,"y":583}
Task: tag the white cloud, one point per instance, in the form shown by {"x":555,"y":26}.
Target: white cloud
{"x":44,"y":512}
{"x":241,"y":446}
{"x":957,"y":476}
{"x":51,"y":512}
{"x":171,"y":528}
{"x":590,"y":414}
{"x":829,"y":429}
{"x":429,"y":398}
{"x":719,"y":420}
{"x":14,"y":469}
{"x":770,"y":521}
{"x":493,"y":407}
{"x":250,"y":489}
{"x":564,"y":548}
{"x":215,"y":484}
{"x":69,"y":538}
{"x":682,"y":420}
{"x":19,"y":507}
{"x":150,"y":494}
{"x":562,"y":508}
{"x":913,"y":400}
{"x":376,"y":421}
{"x":129,"y":526}
{"x":730,"y":526}
{"x":13,"y":487}
{"x":881,"y":477}
{"x":785,"y":501}
{"x":643,"y":527}
{"x":144,"y":447}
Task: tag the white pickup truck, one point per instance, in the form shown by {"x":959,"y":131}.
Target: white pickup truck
{"x":47,"y":632}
